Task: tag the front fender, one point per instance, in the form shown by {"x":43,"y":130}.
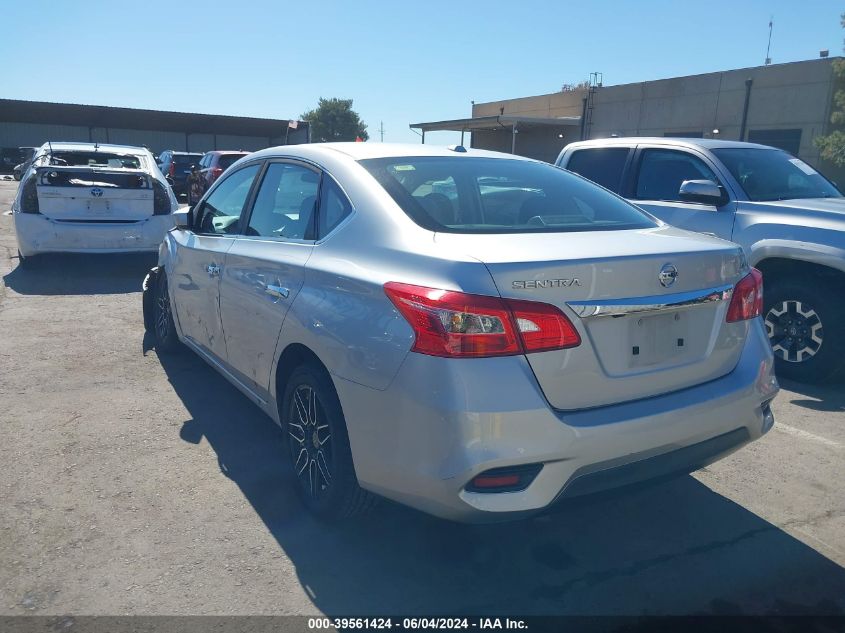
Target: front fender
{"x":821,"y":254}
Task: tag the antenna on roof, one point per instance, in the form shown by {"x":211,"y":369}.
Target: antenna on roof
{"x":769,"y":46}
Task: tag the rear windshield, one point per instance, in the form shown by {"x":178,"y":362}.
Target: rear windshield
{"x":186,"y":159}
{"x":493,"y":195}
{"x":95,"y":159}
{"x":772,"y":174}
{"x":227,"y":160}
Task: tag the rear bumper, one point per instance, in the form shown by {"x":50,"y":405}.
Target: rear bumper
{"x":441,"y":423}
{"x":39,"y":234}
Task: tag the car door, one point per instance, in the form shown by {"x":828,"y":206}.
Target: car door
{"x":659,"y":173}
{"x":265,"y":267}
{"x":199,"y":260}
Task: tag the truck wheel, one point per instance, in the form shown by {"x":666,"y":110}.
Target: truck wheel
{"x":320,"y":456}
{"x":806,"y":327}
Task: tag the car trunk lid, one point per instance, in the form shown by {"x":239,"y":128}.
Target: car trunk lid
{"x":640,"y":338}
{"x":94,"y":194}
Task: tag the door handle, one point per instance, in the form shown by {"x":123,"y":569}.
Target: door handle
{"x":279,"y":292}
{"x":213,"y":270}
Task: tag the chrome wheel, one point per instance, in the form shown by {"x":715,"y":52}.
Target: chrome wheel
{"x":162,"y":312}
{"x":310,"y":442}
{"x":795,"y":331}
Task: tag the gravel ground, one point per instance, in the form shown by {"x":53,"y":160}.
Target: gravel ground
{"x":139,"y":485}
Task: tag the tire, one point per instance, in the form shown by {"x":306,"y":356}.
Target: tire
{"x":163,"y":327}
{"x":806,"y":326}
{"x":320,"y":457}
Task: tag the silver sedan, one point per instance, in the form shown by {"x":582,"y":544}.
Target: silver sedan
{"x":473,"y":334}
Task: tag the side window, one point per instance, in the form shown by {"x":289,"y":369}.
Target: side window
{"x":284,"y":206}
{"x":222,"y":209}
{"x":662,"y":171}
{"x":334,"y":207}
{"x":604,"y":166}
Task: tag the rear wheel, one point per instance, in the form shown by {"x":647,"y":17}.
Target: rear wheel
{"x":320,"y":456}
{"x":164,"y":329}
{"x":806,"y":327}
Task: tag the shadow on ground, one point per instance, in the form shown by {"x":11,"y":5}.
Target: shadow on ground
{"x":827,"y":397}
{"x":80,"y":274}
{"x":676,"y":547}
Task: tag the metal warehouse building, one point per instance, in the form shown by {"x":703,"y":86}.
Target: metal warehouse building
{"x":32,"y":123}
{"x":784,"y":105}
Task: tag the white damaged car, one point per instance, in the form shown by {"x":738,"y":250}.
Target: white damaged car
{"x":92,"y":198}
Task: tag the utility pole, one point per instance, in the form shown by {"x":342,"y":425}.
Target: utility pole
{"x":381,"y":130}
{"x":769,"y":46}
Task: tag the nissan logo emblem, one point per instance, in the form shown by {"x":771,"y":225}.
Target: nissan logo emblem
{"x":667,"y":276}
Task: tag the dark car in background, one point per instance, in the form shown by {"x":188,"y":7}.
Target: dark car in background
{"x":176,"y":166}
{"x":213,"y":164}
{"x":13,"y":157}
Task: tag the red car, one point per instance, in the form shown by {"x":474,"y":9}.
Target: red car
{"x":213,"y":164}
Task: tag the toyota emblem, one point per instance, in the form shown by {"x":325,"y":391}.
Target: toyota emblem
{"x":97,"y":192}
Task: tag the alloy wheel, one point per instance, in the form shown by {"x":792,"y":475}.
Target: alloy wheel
{"x":162,"y":315}
{"x":310,"y":442}
{"x":795,"y":331}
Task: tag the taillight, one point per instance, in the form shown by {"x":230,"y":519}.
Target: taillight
{"x":172,"y":171}
{"x":161,"y":201}
{"x":215,"y":173}
{"x":747,"y":300}
{"x":456,"y":324}
{"x":29,"y":196}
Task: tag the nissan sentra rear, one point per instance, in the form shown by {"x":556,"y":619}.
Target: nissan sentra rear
{"x":475,"y":335}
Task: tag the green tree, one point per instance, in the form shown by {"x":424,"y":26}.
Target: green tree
{"x":335,"y":120}
{"x":832,"y":146}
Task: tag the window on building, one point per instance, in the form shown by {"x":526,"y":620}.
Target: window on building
{"x":603,"y":166}
{"x":787,"y":140}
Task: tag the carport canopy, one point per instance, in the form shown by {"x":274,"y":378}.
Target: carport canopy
{"x":496,"y":122}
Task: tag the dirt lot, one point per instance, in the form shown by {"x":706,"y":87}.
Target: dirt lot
{"x":138,"y":485}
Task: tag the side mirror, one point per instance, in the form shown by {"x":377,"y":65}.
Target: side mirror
{"x":702,"y":191}
{"x":183,"y":218}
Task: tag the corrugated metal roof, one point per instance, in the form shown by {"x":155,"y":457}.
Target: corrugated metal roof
{"x":13,"y":110}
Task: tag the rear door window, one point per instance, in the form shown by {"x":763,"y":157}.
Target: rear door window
{"x":284,"y":206}
{"x":662,"y":171}
{"x":603,"y":165}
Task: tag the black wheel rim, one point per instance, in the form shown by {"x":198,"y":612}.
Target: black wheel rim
{"x":310,"y":442}
{"x":162,"y":315}
{"x":795,"y":331}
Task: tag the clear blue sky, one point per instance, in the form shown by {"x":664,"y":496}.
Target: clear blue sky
{"x":401,"y":62}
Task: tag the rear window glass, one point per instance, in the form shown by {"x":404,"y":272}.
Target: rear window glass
{"x":227,"y":160}
{"x":603,"y":166}
{"x":492,"y":195}
{"x":187,"y":159}
{"x":95,"y":159}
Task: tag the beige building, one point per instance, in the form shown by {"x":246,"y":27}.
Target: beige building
{"x":784,"y":105}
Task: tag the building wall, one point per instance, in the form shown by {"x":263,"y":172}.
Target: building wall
{"x":783,"y":96}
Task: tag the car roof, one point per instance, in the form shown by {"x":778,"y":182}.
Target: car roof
{"x":363,"y":151}
{"x":87,"y":147}
{"x":223,"y":152}
{"x":705,"y":143}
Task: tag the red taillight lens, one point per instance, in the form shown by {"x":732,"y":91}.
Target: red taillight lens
{"x":455,"y":324}
{"x":542,"y":326}
{"x":215,"y":173}
{"x":172,"y":170}
{"x":747,"y":300}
